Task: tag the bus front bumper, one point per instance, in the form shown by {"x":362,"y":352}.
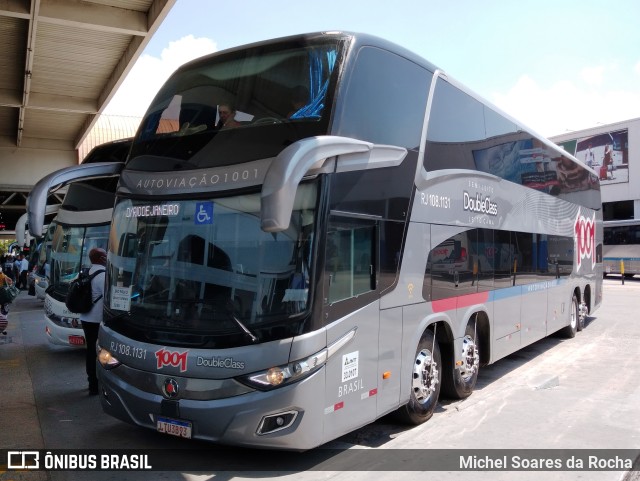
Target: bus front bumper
{"x":236,"y":420}
{"x":64,"y":336}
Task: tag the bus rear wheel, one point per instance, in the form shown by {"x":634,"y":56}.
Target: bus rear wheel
{"x":459,"y":382}
{"x":426,"y":377}
{"x":570,"y":331}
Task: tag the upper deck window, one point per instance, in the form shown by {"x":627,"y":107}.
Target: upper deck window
{"x":239,"y":106}
{"x":464,"y":133}
{"x":385,"y":99}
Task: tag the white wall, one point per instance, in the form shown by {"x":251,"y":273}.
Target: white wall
{"x":25,"y":167}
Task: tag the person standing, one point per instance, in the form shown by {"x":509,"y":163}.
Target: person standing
{"x":7,"y":267}
{"x":17,"y":263}
{"x":590,"y":157}
{"x":92,"y":319}
{"x":4,"y":308}
{"x":24,"y":272}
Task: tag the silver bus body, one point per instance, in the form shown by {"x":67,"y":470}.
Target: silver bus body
{"x":290,"y":279}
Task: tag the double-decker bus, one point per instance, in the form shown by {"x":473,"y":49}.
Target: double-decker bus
{"x":621,"y":249}
{"x":82,"y":223}
{"x":363,"y":240}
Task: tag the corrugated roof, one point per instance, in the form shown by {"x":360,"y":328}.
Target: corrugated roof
{"x":61,"y":61}
{"x":67,"y":56}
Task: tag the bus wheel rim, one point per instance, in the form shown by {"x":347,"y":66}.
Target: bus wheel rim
{"x":574,"y":317}
{"x":470,"y":358}
{"x":425,"y":376}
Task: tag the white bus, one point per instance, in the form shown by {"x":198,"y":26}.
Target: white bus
{"x":621,"y":249}
{"x":32,"y":247}
{"x":82,"y":223}
{"x":370,"y":238}
{"x":40,"y":271}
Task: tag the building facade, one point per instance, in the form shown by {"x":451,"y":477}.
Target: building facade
{"x":613,"y":151}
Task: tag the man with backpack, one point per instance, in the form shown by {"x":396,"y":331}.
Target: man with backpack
{"x":91,"y":320}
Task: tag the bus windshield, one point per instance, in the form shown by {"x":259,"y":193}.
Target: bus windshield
{"x":237,"y":107}
{"x":44,"y":256}
{"x":70,"y":248}
{"x":204,"y":269}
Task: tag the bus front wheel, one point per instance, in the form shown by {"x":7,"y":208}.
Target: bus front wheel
{"x":459,"y":382}
{"x":426,"y":376}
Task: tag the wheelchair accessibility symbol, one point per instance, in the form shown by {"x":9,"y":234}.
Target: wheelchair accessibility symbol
{"x":204,"y":213}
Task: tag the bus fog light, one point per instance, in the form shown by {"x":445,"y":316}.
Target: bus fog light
{"x":106,"y":359}
{"x":276,"y":422}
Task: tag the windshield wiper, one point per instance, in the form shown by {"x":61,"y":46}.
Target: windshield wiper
{"x":245,"y":329}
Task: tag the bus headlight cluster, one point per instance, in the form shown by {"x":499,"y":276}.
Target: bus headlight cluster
{"x":286,"y":374}
{"x":106,"y":359}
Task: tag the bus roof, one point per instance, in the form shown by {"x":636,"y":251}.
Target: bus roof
{"x":357,"y":40}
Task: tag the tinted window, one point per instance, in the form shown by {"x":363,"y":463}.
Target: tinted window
{"x":463,"y":133}
{"x":560,"y":250}
{"x":626,"y":234}
{"x":525,"y":258}
{"x":385,"y":100}
{"x":484,"y":260}
{"x":350,"y":257}
{"x":110,"y":152}
{"x":496,"y":124}
{"x":503,"y":258}
{"x":239,"y":106}
{"x":453,"y":266}
{"x":479,"y":260}
{"x":195,"y":267}
{"x":380,"y":192}
{"x":390,"y":252}
{"x":455,"y":116}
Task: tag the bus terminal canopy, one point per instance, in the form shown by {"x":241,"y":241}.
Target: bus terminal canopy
{"x":63,"y":60}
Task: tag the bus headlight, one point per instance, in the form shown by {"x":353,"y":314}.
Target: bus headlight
{"x":106,"y":359}
{"x":284,"y":375}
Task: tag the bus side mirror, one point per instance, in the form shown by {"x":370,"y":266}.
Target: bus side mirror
{"x":313,"y":156}
{"x":37,"y":200}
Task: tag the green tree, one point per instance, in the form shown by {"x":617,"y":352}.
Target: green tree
{"x":4,"y":246}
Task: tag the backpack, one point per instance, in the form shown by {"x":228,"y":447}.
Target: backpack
{"x":79,"y":296}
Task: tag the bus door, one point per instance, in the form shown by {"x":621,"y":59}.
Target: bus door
{"x":351,"y":303}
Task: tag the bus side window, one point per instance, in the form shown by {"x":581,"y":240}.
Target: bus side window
{"x":350,"y":258}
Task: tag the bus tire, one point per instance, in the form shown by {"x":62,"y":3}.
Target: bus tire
{"x":458,"y":383}
{"x":570,"y":331}
{"x":426,"y":376}
{"x":581,"y":320}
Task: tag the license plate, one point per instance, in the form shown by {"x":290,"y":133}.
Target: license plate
{"x":76,"y":340}
{"x":174,"y":427}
